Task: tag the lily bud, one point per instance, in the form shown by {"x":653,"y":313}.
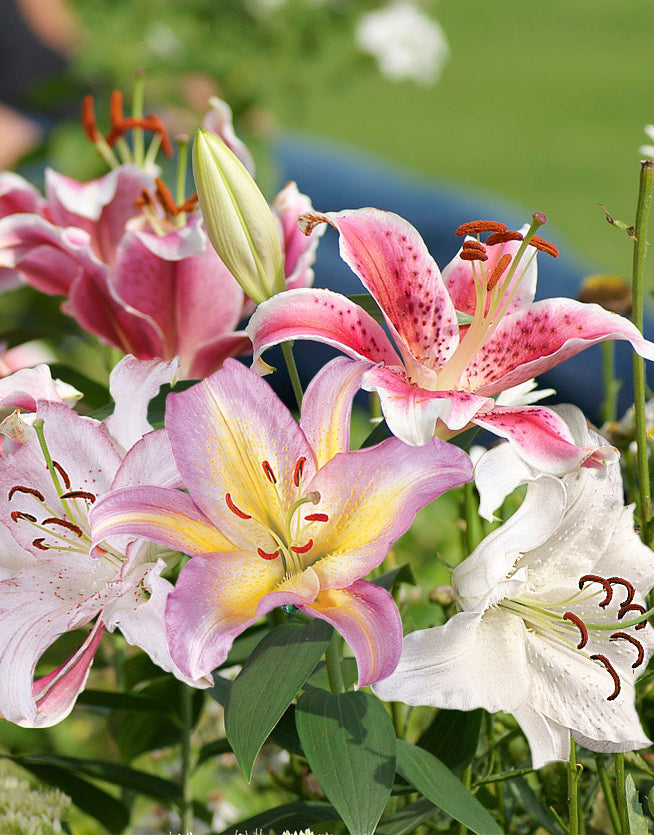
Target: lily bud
{"x":237,"y":219}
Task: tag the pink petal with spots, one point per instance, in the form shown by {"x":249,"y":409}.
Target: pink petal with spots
{"x":542,"y":438}
{"x":392,"y":261}
{"x":299,"y":249}
{"x":412,"y":412}
{"x":368,"y":619}
{"x":324,"y":316}
{"x":528,"y":342}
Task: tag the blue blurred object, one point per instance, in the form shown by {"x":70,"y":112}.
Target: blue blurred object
{"x":337,"y":178}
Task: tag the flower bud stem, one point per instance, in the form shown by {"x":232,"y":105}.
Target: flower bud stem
{"x":137,"y":112}
{"x":622,"y":795}
{"x":607,"y":792}
{"x":287,"y":350}
{"x":333,"y":664}
{"x":574,"y":773}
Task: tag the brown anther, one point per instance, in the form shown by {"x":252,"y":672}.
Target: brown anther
{"x":297,"y":472}
{"x":62,"y":473}
{"x":503,"y":237}
{"x":165,"y":198}
{"x":145,"y":200}
{"x":634,"y":642}
{"x":190,"y":204}
{"x":595,"y":578}
{"x":268,"y":470}
{"x":79,"y":494}
{"x":302,"y":549}
{"x":631,"y":591}
{"x":18,"y":488}
{"x":236,"y":510}
{"x":473,"y":251}
{"x":88,"y":119}
{"x":581,"y":626}
{"x":544,"y":246}
{"x":633,"y":607}
{"x":64,"y":523}
{"x":154,"y":123}
{"x":498,"y":272}
{"x":477,"y":227}
{"x":18,"y":514}
{"x":116,"y":109}
{"x":609,"y":668}
{"x":266,"y":556}
{"x":38,"y":543}
{"x":316,"y":517}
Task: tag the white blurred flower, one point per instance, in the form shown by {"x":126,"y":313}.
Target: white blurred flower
{"x":648,"y":150}
{"x":407,"y":44}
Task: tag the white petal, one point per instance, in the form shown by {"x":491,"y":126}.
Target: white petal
{"x":548,"y":741}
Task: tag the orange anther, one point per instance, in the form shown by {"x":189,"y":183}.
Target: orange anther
{"x":477,"y":227}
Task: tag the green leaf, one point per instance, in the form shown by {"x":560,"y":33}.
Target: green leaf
{"x":408,"y":819}
{"x":437,"y":783}
{"x":268,"y":683}
{"x":96,"y":395}
{"x":349,"y":742}
{"x":366,"y":301}
{"x":220,"y":689}
{"x":292,"y":816}
{"x":531,"y":804}
{"x":637,"y":820}
{"x":378,"y":434}
{"x":157,"y":406}
{"x":121,"y":701}
{"x":213,"y":749}
{"x":401,"y":574}
{"x":452,"y":737}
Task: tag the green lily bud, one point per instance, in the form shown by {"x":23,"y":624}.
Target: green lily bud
{"x":237,"y":218}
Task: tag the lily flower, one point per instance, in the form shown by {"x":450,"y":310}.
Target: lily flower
{"x":50,"y":583}
{"x":460,"y":338}
{"x":548,"y":624}
{"x":278,"y":514}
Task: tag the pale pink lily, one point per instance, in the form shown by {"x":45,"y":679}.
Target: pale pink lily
{"x":280,"y":514}
{"x":460,"y":338}
{"x":548,"y":627}
{"x":49,"y":581}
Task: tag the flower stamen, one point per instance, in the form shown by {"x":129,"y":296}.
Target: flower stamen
{"x":302,"y":549}
{"x":79,"y":494}
{"x":634,"y":642}
{"x":235,"y":510}
{"x":633,"y":607}
{"x":297,"y":472}
{"x":499,"y":270}
{"x":316,"y":517}
{"x":503,"y":237}
{"x":581,"y":626}
{"x":609,"y":668}
{"x":266,"y":555}
{"x":631,"y":591}
{"x":268,"y":470}
{"x":477,"y":227}
{"x":62,"y":473}
{"x":18,"y":488}
{"x":544,"y":246}
{"x":473,"y":251}
{"x":54,"y":520}
{"x":16,"y":515}
{"x":606,"y":585}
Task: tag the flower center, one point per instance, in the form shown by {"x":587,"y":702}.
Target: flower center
{"x":291,"y":542}
{"x":556,"y":621}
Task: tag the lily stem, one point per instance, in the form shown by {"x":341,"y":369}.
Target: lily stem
{"x":608,"y":793}
{"x":287,"y":349}
{"x":333,"y":664}
{"x":466,"y":779}
{"x":186,"y":804}
{"x":574,"y":773}
{"x":622,"y":794}
{"x":638,"y":290}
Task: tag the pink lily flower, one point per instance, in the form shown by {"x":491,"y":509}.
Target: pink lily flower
{"x":50,"y":583}
{"x":278,"y":514}
{"x":460,"y":338}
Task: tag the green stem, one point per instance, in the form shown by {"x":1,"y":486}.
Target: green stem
{"x":138,"y":143}
{"x":609,"y":409}
{"x":287,"y":349}
{"x":622,"y":794}
{"x":471,"y":515}
{"x":333,"y":663}
{"x":608,"y":794}
{"x":573,"y":789}
{"x":186,"y":804}
{"x":640,"y":250}
{"x":466,"y":779}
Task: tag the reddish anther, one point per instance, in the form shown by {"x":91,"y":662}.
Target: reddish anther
{"x":473,"y":251}
{"x":581,"y":626}
{"x":609,"y":668}
{"x":64,"y":523}
{"x":595,"y":578}
{"x":154,"y":123}
{"x":166,"y":198}
{"x":236,"y":510}
{"x":38,"y":543}
{"x":18,"y":488}
{"x":503,"y":237}
{"x":266,"y":556}
{"x":116,"y":109}
{"x":79,"y":494}
{"x":18,"y":514}
{"x":634,"y":642}
{"x":297,"y":472}
{"x":633,"y":607}
{"x":631,"y":591}
{"x":268,"y":470}
{"x":302,"y":549}
{"x":477,"y":227}
{"x":544,"y":246}
{"x":88,"y":119}
{"x":316,"y":517}
{"x":62,"y":473}
{"x":190,"y":204}
{"x":500,"y":269}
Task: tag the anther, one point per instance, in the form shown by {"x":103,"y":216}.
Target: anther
{"x":499,"y":270}
{"x":316,"y":517}
{"x":595,"y":578}
{"x":88,"y":119}
{"x":154,"y":123}
{"x":116,"y":109}
{"x":609,"y":668}
{"x":476,"y":227}
{"x":38,"y":543}
{"x":581,"y":626}
{"x":266,"y":556}
{"x":79,"y":494}
{"x":633,"y":607}
{"x":297,"y":472}
{"x":268,"y":470}
{"x":631,"y":591}
{"x":18,"y":488}
{"x":302,"y":549}
{"x":18,"y":514}
{"x":544,"y":246}
{"x":236,"y":510}
{"x":64,"y":523}
{"x":503,"y":237}
{"x":166,"y":198}
{"x":634,"y":642}
{"x":190,"y":203}
{"x":473,"y":251}
{"x":62,"y":473}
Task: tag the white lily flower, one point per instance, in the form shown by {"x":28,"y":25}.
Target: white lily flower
{"x":543,"y":633}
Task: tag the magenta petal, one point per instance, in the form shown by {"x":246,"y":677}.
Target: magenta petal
{"x":17,"y":195}
{"x":368,"y":619}
{"x":218,"y":120}
{"x":210,"y":356}
{"x":299,"y":249}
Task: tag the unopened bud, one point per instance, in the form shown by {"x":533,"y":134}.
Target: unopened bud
{"x":237,"y":219}
{"x":611,"y":291}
